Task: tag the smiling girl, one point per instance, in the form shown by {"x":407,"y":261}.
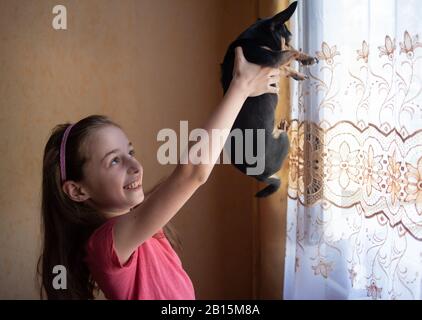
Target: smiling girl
{"x":97,"y":221}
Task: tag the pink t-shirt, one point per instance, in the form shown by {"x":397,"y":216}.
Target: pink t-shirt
{"x":153,"y":272}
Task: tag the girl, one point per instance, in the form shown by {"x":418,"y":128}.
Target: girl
{"x":98,"y":223}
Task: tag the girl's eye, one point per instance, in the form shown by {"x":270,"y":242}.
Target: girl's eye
{"x":115,"y":159}
{"x":132,"y":153}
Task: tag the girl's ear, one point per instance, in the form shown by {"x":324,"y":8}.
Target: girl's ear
{"x":75,"y":191}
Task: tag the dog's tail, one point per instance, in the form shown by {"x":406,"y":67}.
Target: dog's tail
{"x":273,"y":185}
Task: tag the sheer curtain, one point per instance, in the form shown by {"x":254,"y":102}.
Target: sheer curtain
{"x":354,"y":218}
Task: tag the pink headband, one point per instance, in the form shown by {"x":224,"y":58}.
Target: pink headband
{"x":63,"y":153}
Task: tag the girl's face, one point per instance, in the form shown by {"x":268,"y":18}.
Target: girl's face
{"x":113,"y":177}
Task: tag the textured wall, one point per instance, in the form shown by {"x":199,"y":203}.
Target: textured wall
{"x":147,"y":65}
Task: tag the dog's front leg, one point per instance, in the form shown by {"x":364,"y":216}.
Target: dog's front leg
{"x":287,"y":56}
{"x":289,"y":72}
{"x":304,"y":58}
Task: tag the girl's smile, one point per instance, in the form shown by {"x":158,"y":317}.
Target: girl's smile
{"x":137,"y":184}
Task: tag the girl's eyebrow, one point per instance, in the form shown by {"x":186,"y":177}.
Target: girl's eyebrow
{"x":114,"y":151}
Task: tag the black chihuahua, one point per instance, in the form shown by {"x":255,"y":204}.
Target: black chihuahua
{"x":265,"y":43}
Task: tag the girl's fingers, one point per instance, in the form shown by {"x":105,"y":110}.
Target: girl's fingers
{"x":274,"y":72}
{"x":275,"y":81}
{"x":239,"y":60}
{"x":273,"y":89}
{"x":239,"y":57}
{"x":236,"y":61}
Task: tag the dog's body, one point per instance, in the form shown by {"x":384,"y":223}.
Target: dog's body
{"x":265,"y":43}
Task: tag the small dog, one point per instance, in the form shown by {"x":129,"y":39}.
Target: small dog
{"x":265,"y":43}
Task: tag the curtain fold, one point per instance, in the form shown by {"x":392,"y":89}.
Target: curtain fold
{"x":354,"y":217}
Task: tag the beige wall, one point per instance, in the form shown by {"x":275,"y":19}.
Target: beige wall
{"x":148,"y":65}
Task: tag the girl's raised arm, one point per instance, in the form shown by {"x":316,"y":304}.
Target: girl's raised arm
{"x":158,"y":208}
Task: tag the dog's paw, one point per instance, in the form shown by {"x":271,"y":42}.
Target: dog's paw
{"x":299,"y":76}
{"x":309,"y":61}
{"x":284,"y":125}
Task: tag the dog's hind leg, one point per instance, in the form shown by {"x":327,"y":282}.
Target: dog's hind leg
{"x":276,"y":132}
{"x":284,"y":125}
{"x":273,"y":185}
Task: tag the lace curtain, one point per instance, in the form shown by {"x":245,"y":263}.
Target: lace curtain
{"x":354,"y":218}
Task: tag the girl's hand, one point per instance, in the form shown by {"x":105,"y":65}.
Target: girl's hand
{"x":254,"y":79}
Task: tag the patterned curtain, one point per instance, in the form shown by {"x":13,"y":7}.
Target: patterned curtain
{"x":354,"y":218}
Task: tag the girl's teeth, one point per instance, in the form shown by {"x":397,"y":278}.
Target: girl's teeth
{"x":133,"y":185}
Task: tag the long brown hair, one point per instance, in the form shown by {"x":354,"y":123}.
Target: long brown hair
{"x":66,"y":225}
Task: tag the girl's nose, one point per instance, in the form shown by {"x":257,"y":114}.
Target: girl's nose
{"x":135,"y":166}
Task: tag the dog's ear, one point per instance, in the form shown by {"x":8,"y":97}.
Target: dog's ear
{"x":285,"y":15}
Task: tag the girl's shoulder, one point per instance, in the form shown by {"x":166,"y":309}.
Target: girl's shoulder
{"x":103,"y":229}
{"x":100,"y":247}
{"x":100,"y":251}
{"x":101,"y":235}
{"x":106,"y":229}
